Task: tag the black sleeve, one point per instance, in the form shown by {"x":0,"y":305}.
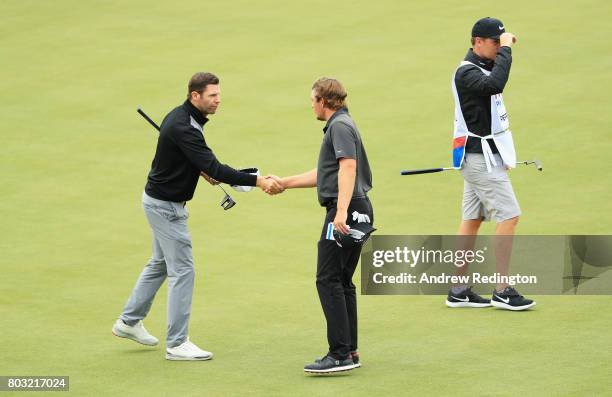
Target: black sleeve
{"x":473,"y":80}
{"x":192,"y":144}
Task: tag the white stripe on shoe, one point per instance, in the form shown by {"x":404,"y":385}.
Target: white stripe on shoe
{"x":502,"y":305}
{"x":466,"y":304}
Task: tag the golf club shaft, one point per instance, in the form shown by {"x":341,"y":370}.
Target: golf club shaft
{"x":432,"y":170}
{"x":143,"y":114}
{"x":425,"y":171}
{"x":221,"y":187}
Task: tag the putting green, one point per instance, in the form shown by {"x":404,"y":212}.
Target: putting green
{"x":75,"y":156}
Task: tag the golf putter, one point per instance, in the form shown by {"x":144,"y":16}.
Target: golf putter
{"x":535,"y":162}
{"x":227,"y":202}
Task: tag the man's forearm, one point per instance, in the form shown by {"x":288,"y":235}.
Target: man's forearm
{"x":226,"y":174}
{"x":307,"y":179}
{"x":501,"y":70}
{"x":346,"y":183}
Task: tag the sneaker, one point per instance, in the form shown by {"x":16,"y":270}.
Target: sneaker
{"x":187,"y":352}
{"x":354,"y":356}
{"x":466,"y":298}
{"x":329,"y":364}
{"x":137,"y":333}
{"x":319,"y":359}
{"x":510,"y":299}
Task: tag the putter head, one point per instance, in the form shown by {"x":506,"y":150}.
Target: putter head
{"x":538,"y":164}
{"x":227,"y":202}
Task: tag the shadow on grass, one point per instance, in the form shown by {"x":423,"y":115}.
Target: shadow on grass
{"x":329,"y":375}
{"x":531,"y":310}
{"x":140,"y":351}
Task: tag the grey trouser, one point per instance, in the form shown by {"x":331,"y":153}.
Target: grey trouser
{"x":487,"y":194}
{"x":171,"y":258}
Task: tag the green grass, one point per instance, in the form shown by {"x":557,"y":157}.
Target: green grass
{"x":75,"y":157}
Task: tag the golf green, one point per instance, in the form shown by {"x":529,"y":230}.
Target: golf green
{"x":75,"y":156}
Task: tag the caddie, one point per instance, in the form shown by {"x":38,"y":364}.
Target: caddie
{"x":484,"y":150}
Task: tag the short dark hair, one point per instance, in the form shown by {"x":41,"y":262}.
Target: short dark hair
{"x":331,"y":91}
{"x":199,"y":81}
{"x":482,"y":38}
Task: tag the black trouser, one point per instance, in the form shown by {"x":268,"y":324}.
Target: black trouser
{"x":335,"y":269}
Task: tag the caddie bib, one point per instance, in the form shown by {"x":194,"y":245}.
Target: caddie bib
{"x":500,"y":130}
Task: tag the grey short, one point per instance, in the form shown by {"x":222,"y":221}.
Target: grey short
{"x":487,"y":195}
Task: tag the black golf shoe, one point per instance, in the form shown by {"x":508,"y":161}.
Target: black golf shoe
{"x":354,"y":356}
{"x":510,"y":299}
{"x":329,"y":364}
{"x":466,"y":298}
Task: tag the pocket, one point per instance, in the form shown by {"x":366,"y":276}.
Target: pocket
{"x":500,"y":174}
{"x":478,"y":164}
{"x":473,"y":168}
{"x":180,"y":210}
{"x":167,"y":212}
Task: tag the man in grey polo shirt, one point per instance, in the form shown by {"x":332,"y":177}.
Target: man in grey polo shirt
{"x":343,"y":179}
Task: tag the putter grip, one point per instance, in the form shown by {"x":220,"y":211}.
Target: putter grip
{"x":423,"y":171}
{"x":144,"y":115}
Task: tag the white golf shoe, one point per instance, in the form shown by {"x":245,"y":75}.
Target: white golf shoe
{"x":187,"y":352}
{"x":137,"y":333}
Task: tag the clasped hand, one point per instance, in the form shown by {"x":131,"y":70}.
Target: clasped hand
{"x":272,"y":185}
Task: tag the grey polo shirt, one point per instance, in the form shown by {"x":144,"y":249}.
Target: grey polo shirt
{"x":341,"y":139}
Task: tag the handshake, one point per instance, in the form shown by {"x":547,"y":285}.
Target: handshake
{"x":270,"y":184}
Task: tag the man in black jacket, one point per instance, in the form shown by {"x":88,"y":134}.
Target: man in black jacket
{"x":484,"y":150}
{"x":182,"y":155}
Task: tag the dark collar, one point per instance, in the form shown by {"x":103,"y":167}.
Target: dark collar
{"x":476,"y":60}
{"x":193,"y":111}
{"x":333,"y":116}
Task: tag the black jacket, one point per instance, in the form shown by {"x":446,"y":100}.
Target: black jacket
{"x":475,"y":88}
{"x":182,"y":153}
